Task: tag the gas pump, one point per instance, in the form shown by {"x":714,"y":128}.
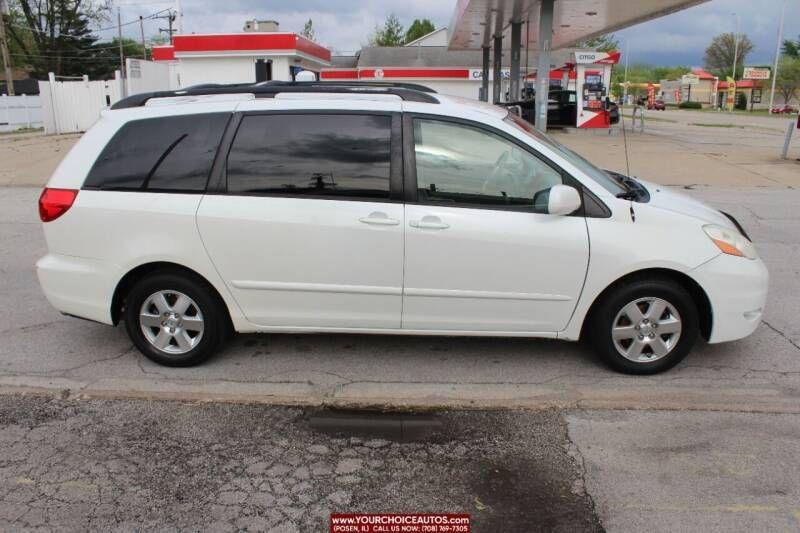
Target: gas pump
{"x":594,"y":93}
{"x":593,"y":76}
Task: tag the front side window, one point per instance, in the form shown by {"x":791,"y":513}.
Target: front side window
{"x":465,"y":166}
{"x":312,"y":155}
{"x":165,"y":153}
{"x":600,"y":176}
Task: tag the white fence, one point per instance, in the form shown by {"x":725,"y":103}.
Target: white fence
{"x":17,"y":112}
{"x":73,"y":106}
{"x":148,"y":76}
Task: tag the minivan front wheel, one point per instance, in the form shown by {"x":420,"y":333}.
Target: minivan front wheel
{"x":645,"y":326}
{"x":173,"y":320}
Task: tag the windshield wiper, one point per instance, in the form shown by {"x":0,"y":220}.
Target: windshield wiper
{"x":635,"y":191}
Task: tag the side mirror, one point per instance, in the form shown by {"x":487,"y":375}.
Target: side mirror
{"x":563,"y":200}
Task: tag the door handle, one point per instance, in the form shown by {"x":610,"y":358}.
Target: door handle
{"x":379,"y":218}
{"x":429,"y":222}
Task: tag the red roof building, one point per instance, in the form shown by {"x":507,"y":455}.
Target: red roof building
{"x":242,"y":57}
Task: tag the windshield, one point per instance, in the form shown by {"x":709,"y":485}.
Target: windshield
{"x":598,"y":175}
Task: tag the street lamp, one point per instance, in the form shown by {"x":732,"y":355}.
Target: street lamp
{"x":735,"y":45}
{"x":777,"y":56}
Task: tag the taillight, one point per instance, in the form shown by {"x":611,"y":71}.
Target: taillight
{"x":55,"y":202}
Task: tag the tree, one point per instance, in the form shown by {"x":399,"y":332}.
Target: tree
{"x":639,"y":74}
{"x":55,"y":36}
{"x":719,"y":54}
{"x":391,"y":34}
{"x":15,"y":19}
{"x":419,"y":28}
{"x":102,"y":59}
{"x":603,"y":43}
{"x":791,"y":48}
{"x":308,"y":30}
{"x":787,"y":81}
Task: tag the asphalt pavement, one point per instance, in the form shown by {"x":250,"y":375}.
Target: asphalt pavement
{"x":71,"y":465}
{"x":534,"y":435}
{"x":43,"y":350}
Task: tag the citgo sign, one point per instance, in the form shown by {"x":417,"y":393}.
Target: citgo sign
{"x":753,"y":73}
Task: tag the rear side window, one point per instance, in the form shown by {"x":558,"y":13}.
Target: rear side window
{"x":166,"y":153}
{"x":312,"y":155}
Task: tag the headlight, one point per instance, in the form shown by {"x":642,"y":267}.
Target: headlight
{"x":730,"y":241}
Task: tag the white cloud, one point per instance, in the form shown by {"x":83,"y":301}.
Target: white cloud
{"x":345,"y":25}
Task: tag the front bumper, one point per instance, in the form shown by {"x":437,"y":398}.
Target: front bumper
{"x":737,"y":290}
{"x":78,"y":286}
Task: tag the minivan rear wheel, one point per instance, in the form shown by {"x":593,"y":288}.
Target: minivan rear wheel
{"x":645,"y":326}
{"x":173,"y":320}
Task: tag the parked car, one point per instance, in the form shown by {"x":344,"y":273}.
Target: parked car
{"x":784,"y":109}
{"x":383,"y":209}
{"x":562,"y":109}
{"x":657,"y":105}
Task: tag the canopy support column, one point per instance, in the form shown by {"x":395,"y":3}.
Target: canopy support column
{"x":497,"y":77}
{"x":543,"y":67}
{"x":516,"y":51}
{"x":485,"y":75}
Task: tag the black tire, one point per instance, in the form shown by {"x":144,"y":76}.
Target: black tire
{"x":603,"y":316}
{"x":215,"y":324}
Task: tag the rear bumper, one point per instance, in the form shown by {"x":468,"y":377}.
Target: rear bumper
{"x":78,"y":286}
{"x":737,"y":290}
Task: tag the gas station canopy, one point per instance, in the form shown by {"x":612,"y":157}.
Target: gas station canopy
{"x":496,"y":25}
{"x":475,"y":22}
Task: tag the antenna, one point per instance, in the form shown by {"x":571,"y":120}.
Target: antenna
{"x":625,"y":138}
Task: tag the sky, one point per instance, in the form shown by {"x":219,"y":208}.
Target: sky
{"x":345,"y":25}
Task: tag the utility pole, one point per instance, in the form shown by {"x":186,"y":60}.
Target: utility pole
{"x":735,"y":46}
{"x":170,"y":19}
{"x":777,"y":56}
{"x":4,"y":12}
{"x":179,"y":14}
{"x":141,"y":29}
{"x":625,"y":77}
{"x":121,"y":54}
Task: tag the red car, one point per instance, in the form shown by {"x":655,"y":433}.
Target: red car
{"x":780,"y":110}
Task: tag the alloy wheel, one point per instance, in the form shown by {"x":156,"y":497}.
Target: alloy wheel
{"x":646,"y":329}
{"x":171,"y":322}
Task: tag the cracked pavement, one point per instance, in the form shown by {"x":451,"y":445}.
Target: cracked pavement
{"x":114,"y":465}
{"x":710,"y":445}
{"x":43,"y":350}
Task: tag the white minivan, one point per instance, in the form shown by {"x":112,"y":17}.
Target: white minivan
{"x":389,"y":209}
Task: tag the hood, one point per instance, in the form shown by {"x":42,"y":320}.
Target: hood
{"x":677,"y":202}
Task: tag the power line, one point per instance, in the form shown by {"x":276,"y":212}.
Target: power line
{"x":135,"y":21}
{"x":151,"y":16}
{"x":92,"y":48}
{"x":69,"y":58}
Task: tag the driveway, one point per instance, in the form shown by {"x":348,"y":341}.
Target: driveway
{"x":43,"y":350}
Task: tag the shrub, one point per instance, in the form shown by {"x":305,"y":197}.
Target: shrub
{"x":741,"y":101}
{"x":690,"y":105}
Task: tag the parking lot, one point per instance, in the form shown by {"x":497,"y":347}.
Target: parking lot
{"x":711,"y":443}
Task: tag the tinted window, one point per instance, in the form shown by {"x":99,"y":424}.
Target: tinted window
{"x":173,"y":153}
{"x":315,"y":155}
{"x":462,"y":165}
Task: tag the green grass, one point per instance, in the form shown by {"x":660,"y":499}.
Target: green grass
{"x":755,"y":112}
{"x":649,"y":118}
{"x":706,"y":125}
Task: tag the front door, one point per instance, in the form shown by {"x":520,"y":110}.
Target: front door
{"x":482,"y":254}
{"x":308,"y":233}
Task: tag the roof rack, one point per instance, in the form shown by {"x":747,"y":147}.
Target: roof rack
{"x":407,"y":91}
